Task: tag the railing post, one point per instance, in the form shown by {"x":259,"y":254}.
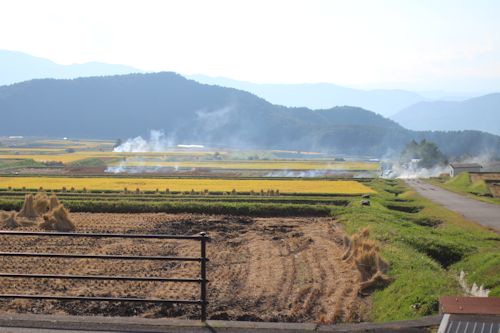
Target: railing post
{"x":203,"y":276}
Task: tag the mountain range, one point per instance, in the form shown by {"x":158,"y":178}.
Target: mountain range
{"x":322,"y":95}
{"x":481,"y":113}
{"x":189,"y":112}
{"x":17,"y":67}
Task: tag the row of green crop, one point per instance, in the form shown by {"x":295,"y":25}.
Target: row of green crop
{"x":10,"y":190}
{"x":206,"y":198}
{"x":242,"y":208}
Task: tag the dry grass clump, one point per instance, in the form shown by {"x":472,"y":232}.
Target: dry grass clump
{"x":55,"y":215}
{"x":41,"y":203}
{"x":58,"y":219}
{"x":9,"y":219}
{"x":364,"y":254}
{"x":28,"y":208}
{"x":53,"y":202}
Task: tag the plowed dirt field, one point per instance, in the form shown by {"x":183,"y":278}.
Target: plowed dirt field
{"x":263,"y":269}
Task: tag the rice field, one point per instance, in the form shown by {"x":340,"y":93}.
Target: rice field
{"x":165,"y":160}
{"x":188,"y":184}
{"x":258,"y":165}
{"x":51,"y":155}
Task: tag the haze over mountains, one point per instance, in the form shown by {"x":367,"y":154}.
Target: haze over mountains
{"x":322,"y":95}
{"x":192,"y":113}
{"x":483,"y":113}
{"x":410,"y":109}
{"x":18,"y":67}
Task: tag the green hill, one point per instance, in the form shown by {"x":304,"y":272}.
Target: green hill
{"x":189,"y":112}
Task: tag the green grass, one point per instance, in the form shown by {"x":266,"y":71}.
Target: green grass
{"x":426,"y":251}
{"x":484,"y":267}
{"x":462,"y":181}
{"x":19,"y":163}
{"x":462,"y":184}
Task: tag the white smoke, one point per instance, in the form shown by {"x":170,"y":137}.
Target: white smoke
{"x":297,"y":173}
{"x":157,"y":142}
{"x":318,"y":173}
{"x":489,"y":162}
{"x":402,"y":171}
{"x":211,"y":120}
{"x":139,"y":166}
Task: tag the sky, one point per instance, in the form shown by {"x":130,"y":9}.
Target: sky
{"x":409,"y":44}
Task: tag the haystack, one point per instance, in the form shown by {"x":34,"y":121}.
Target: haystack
{"x":58,"y":219}
{"x":41,"y":204}
{"x":54,"y":202}
{"x":28,"y":209}
{"x":364,"y":254}
{"x":48,"y":223}
{"x":9,"y":219}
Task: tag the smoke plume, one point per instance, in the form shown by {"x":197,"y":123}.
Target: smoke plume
{"x":157,"y":142}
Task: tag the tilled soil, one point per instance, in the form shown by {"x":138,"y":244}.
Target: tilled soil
{"x":261,"y":269}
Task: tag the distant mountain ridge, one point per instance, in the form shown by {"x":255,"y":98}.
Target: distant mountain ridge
{"x":480,"y":113}
{"x":17,"y":67}
{"x":322,"y":95}
{"x":125,"y":106}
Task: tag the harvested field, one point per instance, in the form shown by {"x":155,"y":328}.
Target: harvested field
{"x":270,"y":269}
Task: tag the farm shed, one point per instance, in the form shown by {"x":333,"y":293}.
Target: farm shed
{"x":457,"y":168}
{"x":469,"y":314}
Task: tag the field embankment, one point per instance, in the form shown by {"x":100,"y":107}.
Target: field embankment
{"x":471,"y":185}
{"x":426,"y":247}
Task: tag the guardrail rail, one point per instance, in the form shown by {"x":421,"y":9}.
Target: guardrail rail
{"x":202,"y":259}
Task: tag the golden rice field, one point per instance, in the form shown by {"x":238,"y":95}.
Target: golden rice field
{"x":188,"y":184}
{"x":159,"y":159}
{"x":77,"y":143}
{"x":49,"y":156}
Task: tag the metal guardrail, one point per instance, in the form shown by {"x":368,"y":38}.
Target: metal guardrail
{"x":202,"y":259}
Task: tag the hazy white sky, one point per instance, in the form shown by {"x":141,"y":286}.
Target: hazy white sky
{"x":418,"y":44}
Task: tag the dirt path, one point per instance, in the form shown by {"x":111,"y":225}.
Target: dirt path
{"x":483,"y":213}
{"x":261,"y":269}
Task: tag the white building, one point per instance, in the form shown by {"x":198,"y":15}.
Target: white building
{"x":457,"y":168}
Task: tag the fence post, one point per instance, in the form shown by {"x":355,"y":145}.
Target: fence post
{"x":203,"y":276}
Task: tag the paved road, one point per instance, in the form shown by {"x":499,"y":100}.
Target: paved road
{"x":483,"y":213}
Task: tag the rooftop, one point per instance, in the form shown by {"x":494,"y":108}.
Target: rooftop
{"x":465,"y":165}
{"x":470,"y":314}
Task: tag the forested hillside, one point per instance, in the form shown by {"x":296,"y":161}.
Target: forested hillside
{"x":189,"y":112}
